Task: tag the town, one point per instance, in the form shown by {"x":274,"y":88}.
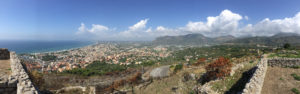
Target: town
{"x":112,"y":53}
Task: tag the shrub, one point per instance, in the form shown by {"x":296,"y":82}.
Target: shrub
{"x":295,"y":90}
{"x":296,"y":77}
{"x":148,"y":63}
{"x":178,"y":67}
{"x":199,"y":61}
{"x":295,"y":67}
{"x":97,"y":68}
{"x":218,"y":69}
{"x":133,"y":80}
{"x":37,"y":79}
{"x":286,"y":46}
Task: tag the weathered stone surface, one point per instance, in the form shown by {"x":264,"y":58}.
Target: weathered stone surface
{"x":255,"y":84}
{"x":19,"y":76}
{"x":284,"y":62}
{"x":160,"y":72}
{"x":4,"y":54}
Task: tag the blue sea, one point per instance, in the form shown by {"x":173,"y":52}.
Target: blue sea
{"x":21,"y":47}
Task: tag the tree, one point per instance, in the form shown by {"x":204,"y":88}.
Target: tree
{"x":286,"y":46}
{"x":199,"y":61}
{"x":218,"y":69}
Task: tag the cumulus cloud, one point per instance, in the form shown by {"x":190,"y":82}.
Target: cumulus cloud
{"x":96,"y":28}
{"x":95,"y":32}
{"x":139,"y":26}
{"x":137,"y":30}
{"x":226,"y":23}
{"x":270,"y":27}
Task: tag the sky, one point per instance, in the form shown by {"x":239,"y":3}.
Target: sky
{"x":144,"y":19}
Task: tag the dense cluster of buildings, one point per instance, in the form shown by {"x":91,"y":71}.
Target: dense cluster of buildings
{"x":81,"y":57}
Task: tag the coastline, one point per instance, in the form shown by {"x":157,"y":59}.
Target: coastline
{"x":36,"y":46}
{"x":67,"y":49}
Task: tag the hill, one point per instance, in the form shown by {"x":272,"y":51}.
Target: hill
{"x":275,"y":40}
{"x":201,"y":40}
{"x":191,"y":39}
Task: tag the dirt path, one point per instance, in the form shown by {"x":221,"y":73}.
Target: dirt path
{"x":279,"y":81}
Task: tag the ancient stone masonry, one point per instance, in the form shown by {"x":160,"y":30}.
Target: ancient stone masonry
{"x":16,"y":82}
{"x":24,"y":84}
{"x":284,"y":62}
{"x":254,"y":86}
{"x":4,"y":54}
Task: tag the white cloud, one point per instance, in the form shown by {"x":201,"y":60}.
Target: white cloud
{"x":95,"y":32}
{"x":140,"y":25}
{"x":135,"y":31}
{"x":226,"y":23}
{"x":96,"y":28}
{"x":81,"y":29}
{"x":269,"y":27}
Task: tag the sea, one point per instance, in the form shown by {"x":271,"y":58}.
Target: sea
{"x":34,"y":46}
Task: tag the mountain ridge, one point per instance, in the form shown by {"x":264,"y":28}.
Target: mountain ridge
{"x":199,"y":39}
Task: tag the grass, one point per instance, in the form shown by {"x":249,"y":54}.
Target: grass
{"x":287,"y":55}
{"x":295,"y":67}
{"x":296,"y":77}
{"x":281,"y":79}
{"x":295,"y":90}
{"x":178,"y":67}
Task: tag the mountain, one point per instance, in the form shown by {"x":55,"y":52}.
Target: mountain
{"x":191,"y":39}
{"x":222,"y":39}
{"x":199,"y":39}
{"x":278,"y":35}
{"x":275,"y":40}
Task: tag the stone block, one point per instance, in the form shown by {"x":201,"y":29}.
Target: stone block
{"x":4,"y":54}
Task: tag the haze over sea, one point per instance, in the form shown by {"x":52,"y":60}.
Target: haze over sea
{"x":32,"y":46}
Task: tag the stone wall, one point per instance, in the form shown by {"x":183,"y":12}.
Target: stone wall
{"x":284,"y":62}
{"x":4,"y":54}
{"x":255,"y":83}
{"x":24,"y":84}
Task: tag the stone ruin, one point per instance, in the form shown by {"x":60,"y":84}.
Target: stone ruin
{"x":254,"y":86}
{"x":4,"y":54}
{"x":18,"y":82}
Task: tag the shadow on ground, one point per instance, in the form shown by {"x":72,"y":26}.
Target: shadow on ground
{"x":241,"y":83}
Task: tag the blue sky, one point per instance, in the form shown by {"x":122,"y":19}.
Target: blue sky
{"x":112,"y":19}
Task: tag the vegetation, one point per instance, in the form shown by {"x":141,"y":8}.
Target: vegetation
{"x":37,"y":79}
{"x":281,"y":79}
{"x":148,"y":63}
{"x":178,"y":67}
{"x":235,"y":83}
{"x":295,"y":90}
{"x":199,"y":61}
{"x":228,"y":51}
{"x":133,"y":80}
{"x":49,"y":58}
{"x":97,"y":68}
{"x":296,"y":77}
{"x":218,"y":69}
{"x":286,"y":53}
{"x":286,"y":46}
{"x":295,"y":67}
